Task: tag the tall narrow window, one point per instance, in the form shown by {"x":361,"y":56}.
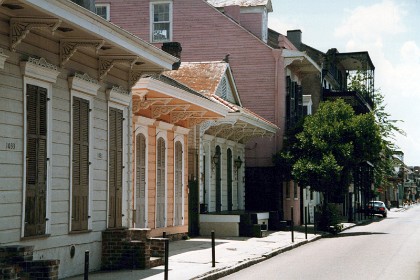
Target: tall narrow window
{"x":160,"y":184}
{"x":115,"y":167}
{"x":36,"y":160}
{"x":80,"y":179}
{"x":295,"y":190}
{"x":229,"y":180}
{"x":287,"y":187}
{"x":218,"y":180}
{"x":161,"y":21}
{"x":178,"y":184}
{"x":141,"y":181}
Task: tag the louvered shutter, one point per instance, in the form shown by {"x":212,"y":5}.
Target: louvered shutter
{"x":160,"y":184}
{"x":178,"y":183}
{"x":115,"y":167}
{"x":288,"y":99}
{"x":141,"y":180}
{"x":80,"y":179}
{"x":36,"y":160}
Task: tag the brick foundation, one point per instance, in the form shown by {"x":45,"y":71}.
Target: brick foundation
{"x":121,"y":249}
{"x":16,"y":262}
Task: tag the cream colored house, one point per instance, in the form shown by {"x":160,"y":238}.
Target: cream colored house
{"x":66,"y":128}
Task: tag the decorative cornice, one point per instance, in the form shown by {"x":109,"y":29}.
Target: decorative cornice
{"x":143,"y":103}
{"x":134,"y":77}
{"x":68,"y":47}
{"x":40,"y":69}
{"x":177,"y":116}
{"x":3,"y":58}
{"x":158,"y":110}
{"x":20,"y":27}
{"x":106,"y":63}
{"x":196,"y":121}
{"x":84,"y":83}
{"x":119,"y":95}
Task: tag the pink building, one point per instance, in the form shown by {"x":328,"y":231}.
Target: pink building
{"x":235,"y":31}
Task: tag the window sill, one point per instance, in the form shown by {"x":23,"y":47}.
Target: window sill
{"x":43,"y":236}
{"x":80,"y":231}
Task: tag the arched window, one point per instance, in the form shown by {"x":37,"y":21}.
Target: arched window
{"x":178,"y":184}
{"x":229,"y":179}
{"x":141,"y":194}
{"x":160,"y":183}
{"x":218,"y":181}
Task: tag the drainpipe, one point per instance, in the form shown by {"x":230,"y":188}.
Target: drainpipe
{"x":277,"y":55}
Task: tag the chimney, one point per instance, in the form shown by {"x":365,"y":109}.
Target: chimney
{"x":295,"y":37}
{"x":174,"y":49}
{"x":88,"y":4}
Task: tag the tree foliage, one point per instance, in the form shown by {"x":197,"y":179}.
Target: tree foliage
{"x":323,"y":151}
{"x":330,"y":144}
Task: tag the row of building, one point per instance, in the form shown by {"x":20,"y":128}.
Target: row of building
{"x":122,"y":121}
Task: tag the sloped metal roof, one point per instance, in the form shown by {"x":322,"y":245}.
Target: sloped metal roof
{"x":241,"y":3}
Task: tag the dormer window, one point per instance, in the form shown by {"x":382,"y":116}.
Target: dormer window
{"x":161,"y":21}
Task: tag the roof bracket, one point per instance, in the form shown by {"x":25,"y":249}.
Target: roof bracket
{"x":68,"y":47}
{"x":20,"y":27}
{"x":106,"y":63}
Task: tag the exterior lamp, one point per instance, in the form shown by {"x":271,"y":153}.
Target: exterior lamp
{"x":215,"y":160}
{"x":238,"y":163}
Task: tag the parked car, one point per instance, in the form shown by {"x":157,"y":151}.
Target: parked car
{"x":376,"y":207}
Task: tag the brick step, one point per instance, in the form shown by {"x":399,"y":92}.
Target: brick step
{"x":8,"y":272}
{"x":156,"y":261}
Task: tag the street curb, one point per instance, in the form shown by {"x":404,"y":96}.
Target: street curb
{"x":216,"y":274}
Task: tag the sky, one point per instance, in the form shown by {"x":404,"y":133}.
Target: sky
{"x":388,"y":29}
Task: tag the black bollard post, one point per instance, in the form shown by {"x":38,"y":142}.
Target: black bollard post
{"x":86,"y":275}
{"x":213,"y":250}
{"x":292,"y":225}
{"x":166,"y":258}
{"x":306,"y":223}
{"x":164,"y":234}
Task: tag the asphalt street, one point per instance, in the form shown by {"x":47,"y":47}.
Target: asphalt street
{"x":384,"y":249}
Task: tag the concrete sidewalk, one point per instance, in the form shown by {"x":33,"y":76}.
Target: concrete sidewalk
{"x":192,"y":259}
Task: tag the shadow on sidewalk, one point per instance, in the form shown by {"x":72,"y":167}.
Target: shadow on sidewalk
{"x":344,"y":234}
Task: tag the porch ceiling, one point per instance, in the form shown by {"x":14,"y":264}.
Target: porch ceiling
{"x":300,"y":61}
{"x":158,"y":100}
{"x":240,"y":126}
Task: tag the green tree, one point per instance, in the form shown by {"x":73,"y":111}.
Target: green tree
{"x":330,"y":144}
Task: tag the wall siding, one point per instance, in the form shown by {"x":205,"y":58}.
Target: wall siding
{"x":207,"y":35}
{"x":57,"y":245}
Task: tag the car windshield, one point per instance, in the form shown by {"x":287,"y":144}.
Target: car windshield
{"x":376,"y":203}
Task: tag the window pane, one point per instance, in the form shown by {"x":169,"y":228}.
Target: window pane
{"x":161,"y":31}
{"x":161,"y":12}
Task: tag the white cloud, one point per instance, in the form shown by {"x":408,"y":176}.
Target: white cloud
{"x":368,"y":24}
{"x":281,"y":26}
